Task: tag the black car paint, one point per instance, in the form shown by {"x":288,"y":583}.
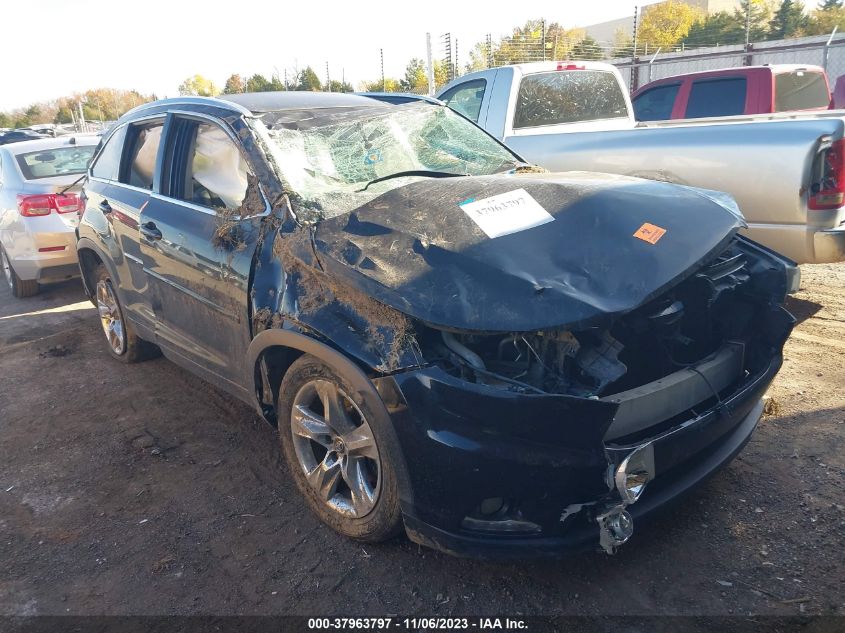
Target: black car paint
{"x":414,"y":249}
{"x":216,"y":311}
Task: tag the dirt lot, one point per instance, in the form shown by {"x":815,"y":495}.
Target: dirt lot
{"x":141,"y":489}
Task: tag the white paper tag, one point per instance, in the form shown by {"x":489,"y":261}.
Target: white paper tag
{"x":506,"y":213}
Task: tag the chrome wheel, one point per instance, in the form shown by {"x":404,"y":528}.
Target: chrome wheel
{"x":7,"y":267}
{"x":336,"y":449}
{"x":110,"y":317}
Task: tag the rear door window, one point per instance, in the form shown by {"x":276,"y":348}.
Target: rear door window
{"x":144,"y":140}
{"x":656,"y":104}
{"x":800,"y":90}
{"x":567,"y":97}
{"x":716,"y":97}
{"x":107,"y":163}
{"x":466,"y":98}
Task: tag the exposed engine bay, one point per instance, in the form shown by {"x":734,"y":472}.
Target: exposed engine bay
{"x":715,"y":305}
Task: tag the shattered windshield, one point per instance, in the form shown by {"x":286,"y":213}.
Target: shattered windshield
{"x":330,"y":157}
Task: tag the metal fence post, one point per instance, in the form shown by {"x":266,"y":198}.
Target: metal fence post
{"x":659,"y":48}
{"x":827,"y":47}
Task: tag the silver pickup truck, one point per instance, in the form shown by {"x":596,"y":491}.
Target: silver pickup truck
{"x":786,"y":171}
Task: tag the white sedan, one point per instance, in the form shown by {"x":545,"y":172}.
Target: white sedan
{"x":39,"y":205}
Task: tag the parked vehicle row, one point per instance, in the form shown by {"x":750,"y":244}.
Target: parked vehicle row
{"x":39,"y":209}
{"x":786,"y":171}
{"x":494,"y":360}
{"x":745,"y":90}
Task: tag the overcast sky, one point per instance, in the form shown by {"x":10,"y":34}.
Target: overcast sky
{"x":73,"y":45}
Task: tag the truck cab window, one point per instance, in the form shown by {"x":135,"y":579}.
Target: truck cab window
{"x":466,"y":98}
{"x":800,"y":90}
{"x":656,"y":104}
{"x":716,"y":97}
{"x":553,"y":98}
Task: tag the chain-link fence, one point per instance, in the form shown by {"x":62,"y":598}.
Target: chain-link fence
{"x":825,"y":51}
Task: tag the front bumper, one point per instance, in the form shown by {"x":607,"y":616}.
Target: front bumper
{"x":464,"y":443}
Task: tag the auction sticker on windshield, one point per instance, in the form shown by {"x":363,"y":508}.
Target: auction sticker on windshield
{"x":506,"y":213}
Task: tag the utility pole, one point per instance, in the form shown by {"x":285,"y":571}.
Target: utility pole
{"x":430,"y":69}
{"x":383,"y":83}
{"x":457,"y":67}
{"x":447,"y":43}
{"x":328,"y":79}
{"x":543,"y":25}
{"x":747,"y":23}
{"x":490,"y":59}
{"x":634,"y":53}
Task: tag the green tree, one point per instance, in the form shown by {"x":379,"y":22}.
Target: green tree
{"x":623,"y":44}
{"x":257,"y":83}
{"x":198,"y":86}
{"x":666,"y":24}
{"x":827,"y":5}
{"x":588,"y":48}
{"x":340,"y":86}
{"x":822,"y":21}
{"x":390,"y":85}
{"x":416,"y":78}
{"x":277,"y":84}
{"x":716,"y":29}
{"x":234,"y":85}
{"x":5,"y":120}
{"x":756,"y":14}
{"x":788,"y":21}
{"x":308,"y":80}
{"x":525,"y":43}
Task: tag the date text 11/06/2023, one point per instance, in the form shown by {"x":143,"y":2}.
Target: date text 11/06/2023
{"x":417,"y":623}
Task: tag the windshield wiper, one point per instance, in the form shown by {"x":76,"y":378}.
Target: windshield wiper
{"x":413,"y":172}
{"x":75,"y":182}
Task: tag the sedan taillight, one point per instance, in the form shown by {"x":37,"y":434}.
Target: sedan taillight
{"x":45,"y":204}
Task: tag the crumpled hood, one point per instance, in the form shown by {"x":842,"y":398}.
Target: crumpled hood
{"x":609,"y":245}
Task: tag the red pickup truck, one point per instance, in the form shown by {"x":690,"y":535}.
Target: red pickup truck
{"x":733,"y":91}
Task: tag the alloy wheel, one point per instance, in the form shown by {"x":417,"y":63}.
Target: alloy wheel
{"x":336,"y":449}
{"x":110,"y":317}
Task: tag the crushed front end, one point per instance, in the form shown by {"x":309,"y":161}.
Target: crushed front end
{"x":559,"y":440}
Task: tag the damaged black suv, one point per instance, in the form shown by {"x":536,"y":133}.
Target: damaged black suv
{"x":500,"y":361}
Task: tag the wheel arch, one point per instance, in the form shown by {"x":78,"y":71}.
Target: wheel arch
{"x":89,"y":258}
{"x":288,"y":345}
{"x":294,"y":344}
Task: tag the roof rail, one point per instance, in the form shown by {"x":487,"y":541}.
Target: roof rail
{"x":219,"y":103}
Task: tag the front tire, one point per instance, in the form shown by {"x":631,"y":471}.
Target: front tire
{"x":122,"y":341}
{"x":335,"y":455}
{"x":20,"y":288}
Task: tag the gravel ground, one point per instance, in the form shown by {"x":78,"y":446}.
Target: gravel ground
{"x":143,"y":490}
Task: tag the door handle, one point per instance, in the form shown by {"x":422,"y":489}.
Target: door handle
{"x":105,"y":207}
{"x":150,"y":231}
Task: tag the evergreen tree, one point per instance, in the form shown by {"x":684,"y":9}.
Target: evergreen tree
{"x":789,"y":20}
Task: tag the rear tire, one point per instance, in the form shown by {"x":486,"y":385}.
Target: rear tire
{"x":21,"y":288}
{"x":122,"y":341}
{"x":335,"y":453}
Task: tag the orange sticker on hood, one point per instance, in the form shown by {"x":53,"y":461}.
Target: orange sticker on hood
{"x":650,"y":233}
